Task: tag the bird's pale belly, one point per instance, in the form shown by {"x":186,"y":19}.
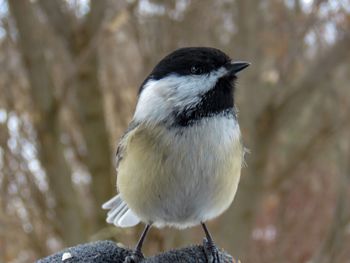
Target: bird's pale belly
{"x":183,"y":178}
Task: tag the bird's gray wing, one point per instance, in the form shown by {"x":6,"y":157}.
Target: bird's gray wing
{"x":119,"y":213}
{"x":130,"y":131}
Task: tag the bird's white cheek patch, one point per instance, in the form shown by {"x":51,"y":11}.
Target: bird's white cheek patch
{"x":154,"y":102}
{"x":160,"y":97}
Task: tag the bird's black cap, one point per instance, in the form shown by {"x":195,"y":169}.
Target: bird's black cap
{"x":190,"y":60}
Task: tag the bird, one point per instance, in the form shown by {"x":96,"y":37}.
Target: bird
{"x":179,"y":161}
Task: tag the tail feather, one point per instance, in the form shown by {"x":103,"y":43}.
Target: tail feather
{"x":114,"y":202}
{"x":115,"y":213}
{"x":128,"y":219}
{"x":119,"y":213}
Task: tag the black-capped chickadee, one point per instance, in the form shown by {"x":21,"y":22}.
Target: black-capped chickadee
{"x":179,"y":162}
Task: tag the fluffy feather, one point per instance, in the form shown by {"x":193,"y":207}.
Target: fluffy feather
{"x":181,"y":176}
{"x":119,"y":214}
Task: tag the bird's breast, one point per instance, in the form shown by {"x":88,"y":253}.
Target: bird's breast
{"x":182,"y":175}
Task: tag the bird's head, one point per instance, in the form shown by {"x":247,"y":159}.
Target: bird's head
{"x":187,"y":85}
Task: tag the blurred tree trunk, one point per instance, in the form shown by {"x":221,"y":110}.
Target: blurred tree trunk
{"x":241,"y":217}
{"x":336,"y":237}
{"x":46,"y":121}
{"x":81,"y":41}
{"x":90,"y":108}
{"x":247,"y":202}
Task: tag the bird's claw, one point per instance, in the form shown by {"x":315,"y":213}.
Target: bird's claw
{"x":211,"y":251}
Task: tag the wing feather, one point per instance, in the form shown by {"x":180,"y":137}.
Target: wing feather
{"x":119,"y":213}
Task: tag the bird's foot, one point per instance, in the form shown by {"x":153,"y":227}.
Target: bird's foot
{"x":211,"y":251}
{"x":135,"y":257}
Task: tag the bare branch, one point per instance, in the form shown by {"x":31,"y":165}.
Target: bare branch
{"x":316,"y":74}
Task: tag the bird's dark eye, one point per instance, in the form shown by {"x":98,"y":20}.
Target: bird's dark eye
{"x":196,"y":70}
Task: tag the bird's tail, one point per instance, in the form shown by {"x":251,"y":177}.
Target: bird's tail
{"x":119,"y":213}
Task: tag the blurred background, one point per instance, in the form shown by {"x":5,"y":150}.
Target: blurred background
{"x":69,"y":75}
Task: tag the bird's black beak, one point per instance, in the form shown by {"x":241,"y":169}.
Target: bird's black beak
{"x":236,"y":66}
